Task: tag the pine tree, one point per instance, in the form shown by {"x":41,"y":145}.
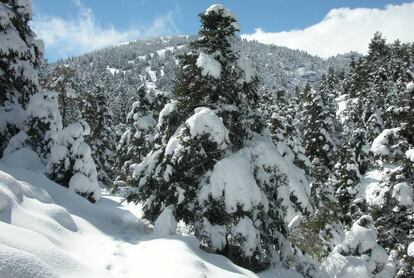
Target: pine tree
{"x":43,"y":122}
{"x":284,"y":122}
{"x":71,"y":163}
{"x":319,"y":136}
{"x":62,"y":79}
{"x":96,"y":112}
{"x":141,"y":132}
{"x":214,"y":168}
{"x":20,"y":57}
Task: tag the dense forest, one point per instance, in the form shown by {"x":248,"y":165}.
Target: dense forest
{"x":266,"y":155}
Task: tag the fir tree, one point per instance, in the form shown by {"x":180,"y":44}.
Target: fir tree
{"x":20,"y":58}
{"x":62,"y":79}
{"x":214,"y":168}
{"x":96,"y":112}
{"x":140,"y":134}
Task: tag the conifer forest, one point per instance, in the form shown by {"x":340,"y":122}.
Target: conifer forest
{"x":204,"y":155}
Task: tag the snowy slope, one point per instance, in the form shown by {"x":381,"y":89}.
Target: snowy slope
{"x":49,"y":231}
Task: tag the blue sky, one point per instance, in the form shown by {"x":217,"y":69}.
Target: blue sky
{"x":115,"y":21}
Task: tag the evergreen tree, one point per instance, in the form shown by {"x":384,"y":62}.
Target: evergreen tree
{"x":359,"y":254}
{"x":141,"y":132}
{"x":284,"y":122}
{"x":95,"y":111}
{"x":319,"y":136}
{"x":20,"y":57}
{"x":43,"y":122}
{"x":214,"y":168}
{"x":62,"y":79}
{"x":71,"y":163}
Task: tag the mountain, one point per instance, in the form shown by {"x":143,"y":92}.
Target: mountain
{"x":152,"y":62}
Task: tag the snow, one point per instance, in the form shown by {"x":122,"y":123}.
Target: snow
{"x":167,"y":110}
{"x":44,"y":106}
{"x":208,"y":65}
{"x":410,"y":86}
{"x":410,"y":249}
{"x":226,"y":12}
{"x":232,"y":177}
{"x":24,"y":158}
{"x":12,"y":114}
{"x":379,"y":145}
{"x":25,"y":7}
{"x":165,"y":225}
{"x":249,"y":73}
{"x":246,"y":230}
{"x":49,"y":231}
{"x":266,"y":155}
{"x":358,"y":254}
{"x":113,"y":70}
{"x":216,"y":233}
{"x":410,"y":154}
{"x":404,"y":194}
{"x":205,"y":121}
{"x":70,"y":146}
{"x":17,"y":263}
{"x":295,"y":222}
{"x":371,"y":189}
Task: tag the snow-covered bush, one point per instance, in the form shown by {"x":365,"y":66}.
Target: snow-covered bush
{"x":359,"y":254}
{"x":43,"y":122}
{"x":71,"y":163}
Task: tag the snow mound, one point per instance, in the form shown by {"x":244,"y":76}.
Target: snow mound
{"x":32,"y":228}
{"x":49,"y":231}
{"x":17,"y":263}
{"x":23,"y":158}
{"x":208,"y":65}
{"x":233,"y":178}
{"x":205,"y":121}
{"x":379,"y":145}
{"x":165,"y":225}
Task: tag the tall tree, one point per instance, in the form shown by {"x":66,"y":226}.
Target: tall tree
{"x":215,"y":168}
{"x":20,"y":57}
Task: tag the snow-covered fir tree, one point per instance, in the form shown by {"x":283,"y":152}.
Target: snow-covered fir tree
{"x":319,"y":136}
{"x":71,"y":163}
{"x":141,"y":132}
{"x":215,"y":168}
{"x":20,"y":58}
{"x":378,"y":122}
{"x":284,"y":122}
{"x":96,"y":112}
{"x":359,"y":254}
{"x":62,"y":79}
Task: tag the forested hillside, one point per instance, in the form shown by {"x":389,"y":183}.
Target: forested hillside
{"x":268,"y":156}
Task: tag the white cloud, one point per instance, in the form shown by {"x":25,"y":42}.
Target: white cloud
{"x":84,"y":33}
{"x":345,"y":29}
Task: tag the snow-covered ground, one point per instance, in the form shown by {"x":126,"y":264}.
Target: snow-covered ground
{"x":47,"y":230}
